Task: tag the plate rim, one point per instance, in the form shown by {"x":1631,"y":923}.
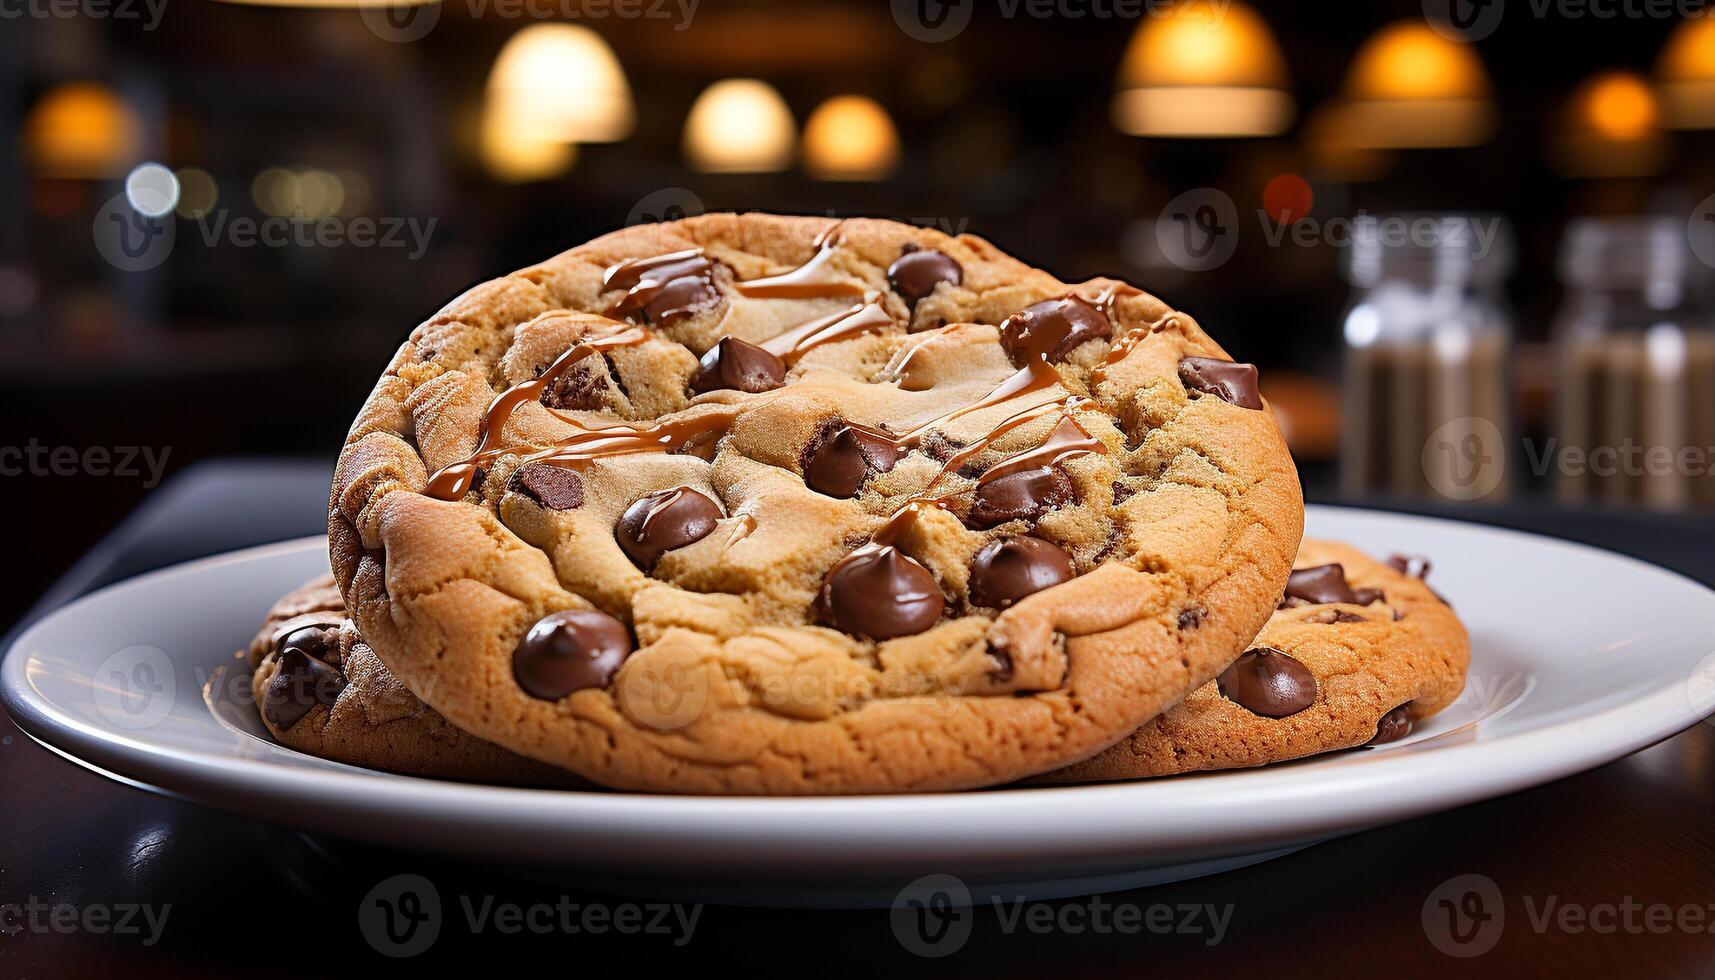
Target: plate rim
{"x":1405,"y":787}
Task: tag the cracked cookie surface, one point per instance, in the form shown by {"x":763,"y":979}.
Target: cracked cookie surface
{"x":759,"y":504}
{"x":320,"y":689}
{"x":1357,"y":653}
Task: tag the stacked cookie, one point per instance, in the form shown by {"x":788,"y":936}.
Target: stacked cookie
{"x":769,"y":505}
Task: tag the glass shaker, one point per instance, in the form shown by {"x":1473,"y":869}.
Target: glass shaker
{"x":1635,"y":408}
{"x":1426,"y":404}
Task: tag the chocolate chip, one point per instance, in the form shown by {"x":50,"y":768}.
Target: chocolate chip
{"x":319,"y":641}
{"x":1415,"y":566}
{"x":1008,"y":569}
{"x":568,"y":651}
{"x":580,"y":388}
{"x":881,"y":593}
{"x":1230,"y":382}
{"x":1192,"y":617}
{"x":553,"y":487}
{"x":681,"y":297}
{"x":1267,"y":682}
{"x":661,"y":521}
{"x":1364,"y":597}
{"x":1122,"y":493}
{"x":1052,"y":329}
{"x":1002,"y":658}
{"x":301,"y":683}
{"x":1328,"y":617}
{"x":915,"y":274}
{"x":1394,"y":726}
{"x":739,"y":366}
{"x":664,"y":288}
{"x":843,"y":457}
{"x":1025,"y":495}
{"x":1321,"y":584}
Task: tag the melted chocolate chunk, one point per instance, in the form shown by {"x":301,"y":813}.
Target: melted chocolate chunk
{"x":664,"y":289}
{"x":568,"y":651}
{"x":553,"y":487}
{"x":1267,"y":682}
{"x":1322,"y":584}
{"x":579,"y":389}
{"x":301,"y":683}
{"x":1394,"y":726}
{"x":915,"y":274}
{"x":843,"y":457}
{"x":319,"y":641}
{"x":1192,"y":617}
{"x":1415,"y":566}
{"x":1367,"y":596}
{"x":1053,"y":328}
{"x":662,"y":521}
{"x":739,"y":366}
{"x":881,"y":593}
{"x":1230,"y":382}
{"x":1008,"y":569}
{"x":1025,"y":495}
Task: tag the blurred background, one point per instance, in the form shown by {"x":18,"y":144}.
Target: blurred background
{"x":1471,"y":245}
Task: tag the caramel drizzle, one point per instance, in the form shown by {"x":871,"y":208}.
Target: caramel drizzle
{"x":456,"y":479}
{"x":868,"y":317}
{"x":1068,"y":439}
{"x":628,"y":440}
{"x":741,"y":529}
{"x":815,"y":279}
{"x":1123,"y":346}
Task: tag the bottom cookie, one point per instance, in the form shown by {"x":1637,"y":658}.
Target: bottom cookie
{"x":321,"y":690}
{"x":1358,"y":651}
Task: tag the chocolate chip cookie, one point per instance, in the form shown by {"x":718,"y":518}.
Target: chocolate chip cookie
{"x":762,"y":504}
{"x":321,"y":690}
{"x":1356,"y":653}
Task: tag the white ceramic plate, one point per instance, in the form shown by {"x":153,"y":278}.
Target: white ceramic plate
{"x":1579,"y":657}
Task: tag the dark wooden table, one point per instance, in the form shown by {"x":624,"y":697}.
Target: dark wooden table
{"x":1609,"y":871}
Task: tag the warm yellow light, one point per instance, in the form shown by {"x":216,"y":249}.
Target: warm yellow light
{"x":512,"y":154}
{"x":1409,"y":60}
{"x":1611,"y":129}
{"x":850,"y":137}
{"x":1617,"y":105}
{"x":562,"y":83}
{"x":1686,"y":73}
{"x":1410,"y":87}
{"x":740,"y":125}
{"x":82,"y":131}
{"x":1203,"y":70}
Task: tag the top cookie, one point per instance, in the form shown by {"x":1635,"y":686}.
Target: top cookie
{"x":761,"y":504}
